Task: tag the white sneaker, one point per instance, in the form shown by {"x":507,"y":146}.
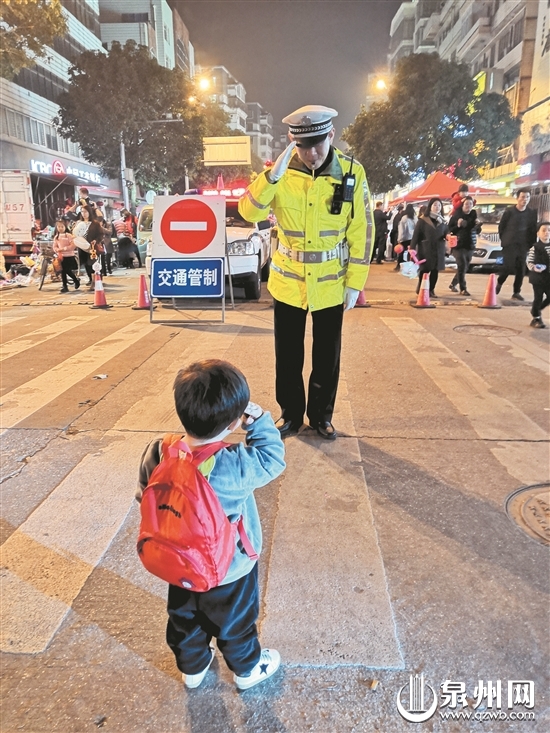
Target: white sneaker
{"x":194,"y":680}
{"x":268,"y":665}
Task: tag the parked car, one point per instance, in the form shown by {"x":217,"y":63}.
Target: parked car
{"x":248,"y":246}
{"x":144,"y":230}
{"x":487,"y":255}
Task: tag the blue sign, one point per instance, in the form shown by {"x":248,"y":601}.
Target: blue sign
{"x":186,"y":278}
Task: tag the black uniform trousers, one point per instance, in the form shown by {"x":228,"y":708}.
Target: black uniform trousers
{"x":228,"y":612}
{"x":518,"y":270}
{"x":290,"y":328}
{"x":541,"y":297}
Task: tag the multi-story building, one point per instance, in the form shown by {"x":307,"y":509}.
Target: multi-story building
{"x":253,"y":126}
{"x":150,"y":23}
{"x":229,"y":94}
{"x":266,"y":136}
{"x":28,"y":106}
{"x":495,"y":38}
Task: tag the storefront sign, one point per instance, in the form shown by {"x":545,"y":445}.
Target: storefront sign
{"x":56,"y":168}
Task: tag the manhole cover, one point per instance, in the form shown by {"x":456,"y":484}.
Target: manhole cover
{"x":484,"y":330}
{"x":529,"y":508}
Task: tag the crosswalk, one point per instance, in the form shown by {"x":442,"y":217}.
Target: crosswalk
{"x":48,"y":558}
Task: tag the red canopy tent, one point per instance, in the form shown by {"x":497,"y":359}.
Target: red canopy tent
{"x":437,"y":185}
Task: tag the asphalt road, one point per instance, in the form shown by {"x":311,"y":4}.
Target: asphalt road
{"x":388,"y":553}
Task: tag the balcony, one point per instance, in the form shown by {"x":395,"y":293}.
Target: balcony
{"x":431,"y":28}
{"x":474,"y":40}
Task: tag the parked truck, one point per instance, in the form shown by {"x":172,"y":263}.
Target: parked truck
{"x":16,"y":215}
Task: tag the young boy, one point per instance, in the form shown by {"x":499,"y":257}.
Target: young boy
{"x":212,"y":401}
{"x":538,"y":264}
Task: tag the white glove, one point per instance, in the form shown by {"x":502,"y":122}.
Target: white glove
{"x":540,"y":268}
{"x":281,"y":164}
{"x":252,"y":412}
{"x":350,"y":298}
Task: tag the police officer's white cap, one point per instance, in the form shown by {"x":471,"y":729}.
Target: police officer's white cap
{"x":310,"y":121}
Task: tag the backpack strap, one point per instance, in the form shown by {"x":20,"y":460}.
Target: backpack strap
{"x":247,"y":545}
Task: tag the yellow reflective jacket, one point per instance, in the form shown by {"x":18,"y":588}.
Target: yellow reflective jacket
{"x":301,"y":202}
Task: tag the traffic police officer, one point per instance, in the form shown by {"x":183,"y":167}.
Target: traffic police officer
{"x":321,"y":200}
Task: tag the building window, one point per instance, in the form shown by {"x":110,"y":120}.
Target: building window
{"x":134,"y":17}
{"x":42,"y":82}
{"x":84,"y":13}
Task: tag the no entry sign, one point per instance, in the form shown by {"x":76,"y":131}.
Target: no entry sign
{"x":187,"y":226}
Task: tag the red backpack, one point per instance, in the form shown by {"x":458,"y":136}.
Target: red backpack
{"x":185,"y":537}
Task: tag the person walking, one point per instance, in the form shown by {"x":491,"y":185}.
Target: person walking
{"x":125,"y":238}
{"x":381,"y":219}
{"x":89,"y":228}
{"x":428,"y":243}
{"x":538,"y":265}
{"x":321,"y":200}
{"x":107,"y":256}
{"x":466,"y":226}
{"x":400,"y":213}
{"x":64,"y":247}
{"x":518,"y":232}
{"x":405,"y":232}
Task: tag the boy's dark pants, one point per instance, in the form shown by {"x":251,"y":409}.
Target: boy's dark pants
{"x":228,"y":612}
{"x":539,"y":301}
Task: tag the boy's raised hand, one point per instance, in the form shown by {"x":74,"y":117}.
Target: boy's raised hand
{"x":252,"y":412}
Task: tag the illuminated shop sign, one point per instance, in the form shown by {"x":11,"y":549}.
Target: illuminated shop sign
{"x":58,"y":169}
{"x":524,"y":170}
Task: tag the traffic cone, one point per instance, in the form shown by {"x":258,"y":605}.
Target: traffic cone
{"x":99,"y":294}
{"x":423,"y":300}
{"x":361,"y":301}
{"x":144,"y":301}
{"x":490,"y":298}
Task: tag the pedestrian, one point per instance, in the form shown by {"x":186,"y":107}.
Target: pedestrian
{"x":64,"y":247}
{"x":458,"y":197}
{"x":428,"y":243}
{"x":320,"y":198}
{"x":107,"y":256}
{"x":405,"y":232}
{"x":538,"y":264}
{"x":210,"y":398}
{"x":125,"y":238}
{"x":381,"y":218}
{"x":466,"y":226}
{"x":517,"y":230}
{"x":89,"y":228}
{"x":400,"y":213}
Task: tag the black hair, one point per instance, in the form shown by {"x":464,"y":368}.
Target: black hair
{"x":523,"y":190}
{"x":90,"y":210}
{"x":463,"y":187}
{"x":83,"y":189}
{"x":542,"y":224}
{"x":63,"y":221}
{"x":467,"y":198}
{"x":431,"y":202}
{"x":209,"y":396}
{"x":409,"y":211}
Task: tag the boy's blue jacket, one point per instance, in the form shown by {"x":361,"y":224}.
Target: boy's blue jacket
{"x":238,"y":470}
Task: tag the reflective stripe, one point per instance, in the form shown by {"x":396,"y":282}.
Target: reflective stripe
{"x":290,"y":233}
{"x":287,"y":274}
{"x":331,"y":277}
{"x":332,"y":232}
{"x":310,"y":257}
{"x":355,"y":261}
{"x":255,"y":203}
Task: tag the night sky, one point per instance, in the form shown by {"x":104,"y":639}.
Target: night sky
{"x":288,"y":53}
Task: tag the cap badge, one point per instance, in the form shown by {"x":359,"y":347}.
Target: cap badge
{"x":305,"y":120}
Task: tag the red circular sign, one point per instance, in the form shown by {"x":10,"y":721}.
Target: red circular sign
{"x":188,"y":226}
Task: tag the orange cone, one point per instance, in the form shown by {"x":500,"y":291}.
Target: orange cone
{"x":361,"y":301}
{"x":99,"y":294}
{"x":490,"y":299}
{"x":423,"y":300}
{"x":144,"y":301}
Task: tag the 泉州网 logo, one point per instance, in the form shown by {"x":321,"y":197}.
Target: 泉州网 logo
{"x":418,"y":709}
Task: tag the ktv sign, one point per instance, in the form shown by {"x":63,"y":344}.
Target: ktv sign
{"x":56,"y":168}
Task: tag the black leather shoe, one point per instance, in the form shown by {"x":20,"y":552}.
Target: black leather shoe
{"x":325,"y":429}
{"x":517,"y":296}
{"x":287,"y":428}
